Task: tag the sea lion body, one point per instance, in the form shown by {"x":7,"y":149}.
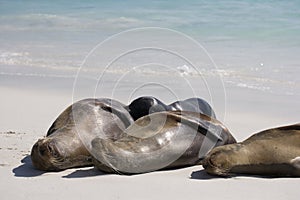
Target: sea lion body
{"x":160,"y":140}
{"x":273,"y":152}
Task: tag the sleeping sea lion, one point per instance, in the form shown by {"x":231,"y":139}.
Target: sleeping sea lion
{"x":273,"y":152}
{"x":161,"y":140}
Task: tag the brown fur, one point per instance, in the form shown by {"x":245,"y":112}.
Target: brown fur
{"x":271,"y":152}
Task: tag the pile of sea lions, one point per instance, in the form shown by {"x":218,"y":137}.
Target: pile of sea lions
{"x":148,"y":135}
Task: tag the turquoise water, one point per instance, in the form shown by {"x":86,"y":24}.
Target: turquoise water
{"x":270,"y":21}
{"x":255,"y":44}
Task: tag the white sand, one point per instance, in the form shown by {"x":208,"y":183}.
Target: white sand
{"x":28,"y":112}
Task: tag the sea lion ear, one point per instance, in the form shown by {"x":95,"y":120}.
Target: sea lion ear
{"x":296,"y":162}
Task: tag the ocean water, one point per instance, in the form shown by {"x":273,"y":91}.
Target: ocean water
{"x":247,"y":44}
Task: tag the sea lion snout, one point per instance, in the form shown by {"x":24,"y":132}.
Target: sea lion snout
{"x":220,"y":160}
{"x":213,"y":163}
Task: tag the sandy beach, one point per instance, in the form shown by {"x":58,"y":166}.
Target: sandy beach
{"x":27,"y":112}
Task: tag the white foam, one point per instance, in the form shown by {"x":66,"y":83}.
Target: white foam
{"x":37,"y":75}
{"x":12,"y":58}
{"x":185,"y":70}
{"x":253,"y":86}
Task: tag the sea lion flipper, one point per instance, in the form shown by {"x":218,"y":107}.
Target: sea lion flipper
{"x":202,"y":123}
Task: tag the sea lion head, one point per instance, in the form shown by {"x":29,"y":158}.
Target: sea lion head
{"x":220,"y":160}
{"x":143,"y":106}
{"x":59,"y":152}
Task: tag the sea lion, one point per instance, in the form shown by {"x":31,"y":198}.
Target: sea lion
{"x":161,"y":140}
{"x":66,"y":143}
{"x":145,"y":105}
{"x":273,"y":152}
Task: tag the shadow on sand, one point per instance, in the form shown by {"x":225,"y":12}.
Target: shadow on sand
{"x":83,"y":173}
{"x":26,"y":169}
{"x":202,"y":175}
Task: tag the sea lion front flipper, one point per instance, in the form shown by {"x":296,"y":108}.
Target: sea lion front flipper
{"x":207,"y":126}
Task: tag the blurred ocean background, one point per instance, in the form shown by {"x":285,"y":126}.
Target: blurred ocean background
{"x":255,"y":44}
